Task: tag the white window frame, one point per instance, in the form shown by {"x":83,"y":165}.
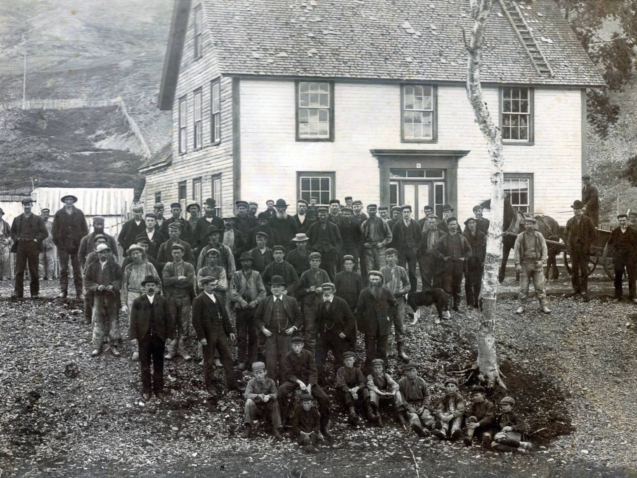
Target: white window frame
{"x":215,"y":183}
{"x":517,"y":181}
{"x":197,"y":186}
{"x":198,"y":31}
{"x":324,"y":195}
{"x":512,"y":104}
{"x":314,"y":110}
{"x":183,"y":125}
{"x":198,"y":121}
{"x":417,"y":105}
{"x":215,"y":111}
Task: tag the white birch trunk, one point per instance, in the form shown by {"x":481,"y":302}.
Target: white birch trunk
{"x":487,"y":363}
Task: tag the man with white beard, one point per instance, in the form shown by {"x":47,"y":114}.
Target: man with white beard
{"x":284,"y":225}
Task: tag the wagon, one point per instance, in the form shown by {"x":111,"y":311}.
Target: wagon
{"x":600,"y":254}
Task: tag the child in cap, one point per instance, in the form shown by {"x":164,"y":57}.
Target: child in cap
{"x":382,"y":388}
{"x":450,"y":412}
{"x":351,"y":387}
{"x":480,"y":418}
{"x":306,"y":425}
{"x":415,"y":402}
{"x":261,"y":401}
{"x":512,"y":429}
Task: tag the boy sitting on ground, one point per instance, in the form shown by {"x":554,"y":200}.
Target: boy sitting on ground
{"x":414,"y":402}
{"x":351,"y":388}
{"x":450,"y":412}
{"x":261,"y":400}
{"x":480,"y":418}
{"x":307,"y":424}
{"x":382,"y":388}
{"x":511,"y":430}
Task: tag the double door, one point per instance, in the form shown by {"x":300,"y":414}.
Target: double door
{"x":418,"y":194}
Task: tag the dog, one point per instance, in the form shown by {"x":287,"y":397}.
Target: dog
{"x":437,"y":297}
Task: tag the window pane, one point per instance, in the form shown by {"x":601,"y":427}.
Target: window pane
{"x":524,"y":106}
{"x":524,"y":133}
{"x":304,"y":87}
{"x":393,"y":193}
{"x":304,"y":116}
{"x":409,"y":97}
{"x":305,"y":184}
{"x":315,"y":182}
{"x":324,"y":100}
{"x":524,"y":93}
{"x":323,"y":116}
{"x":506,"y":106}
{"x":428,"y":103}
{"x":314,"y":99}
{"x":324,"y":87}
{"x":514,"y":133}
{"x":325,"y":198}
{"x":325,"y":183}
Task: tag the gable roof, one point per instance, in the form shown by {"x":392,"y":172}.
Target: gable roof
{"x":388,"y":40}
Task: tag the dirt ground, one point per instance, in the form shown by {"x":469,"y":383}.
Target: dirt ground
{"x":572,"y":374}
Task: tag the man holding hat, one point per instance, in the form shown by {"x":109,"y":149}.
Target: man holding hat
{"x":262,"y":226}
{"x":48,"y":256}
{"x":325,"y":238}
{"x":480,"y":418}
{"x":261,"y":254}
{"x":246,"y":290}
{"x":352,"y":236}
{"x":474,"y":266}
{"x":131,"y":229}
{"x":28,"y":232}
{"x":165,"y":250}
{"x":5,"y":249}
{"x":429,"y":258}
{"x":579,"y":235}
{"x":178,"y":278}
{"x":151,"y":324}
{"x":244,"y":223}
{"x":375,"y":312}
{"x":278,"y":316}
{"x":299,"y":257}
{"x":301,"y":216}
{"x":407,"y":236}
{"x":204,"y":223}
{"x":87,"y":244}
{"x":261,"y":401}
{"x":158,"y":209}
{"x":194,"y":210}
{"x":214,"y":331}
{"x":376,"y":237}
{"x":623,"y":245}
{"x":69,"y":227}
{"x":309,"y":294}
{"x":282,"y":269}
{"x":590,"y":198}
{"x":103,"y":279}
{"x":283,"y":224}
{"x":226,"y":258}
{"x":155,"y":238}
{"x":531,"y":254}
{"x":185,"y":227}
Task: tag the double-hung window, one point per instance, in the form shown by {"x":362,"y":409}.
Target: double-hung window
{"x":419,"y":113}
{"x":198,"y":29}
{"x":215,"y":111}
{"x":517,"y":115}
{"x":519,"y":187}
{"x":183,"y":128}
{"x":315,"y":111}
{"x":198,"y":126}
{"x":315,"y":184}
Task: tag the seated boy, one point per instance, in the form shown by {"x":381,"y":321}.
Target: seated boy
{"x":450,"y":411}
{"x":261,"y":400}
{"x":480,"y":418}
{"x":382,"y":388}
{"x":414,"y":402}
{"x":351,"y":388}
{"x":511,"y":430}
{"x":307,"y":422}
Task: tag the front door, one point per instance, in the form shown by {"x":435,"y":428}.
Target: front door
{"x":418,"y":194}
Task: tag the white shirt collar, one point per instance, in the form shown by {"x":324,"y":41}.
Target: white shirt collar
{"x":150,"y":298}
{"x":277,"y":298}
{"x":212,"y":297}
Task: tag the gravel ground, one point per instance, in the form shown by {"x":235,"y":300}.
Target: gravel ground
{"x":572,"y":373}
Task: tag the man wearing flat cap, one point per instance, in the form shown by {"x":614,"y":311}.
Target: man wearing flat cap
{"x":214,"y":331}
{"x":253,"y":207}
{"x":309,"y":294}
{"x":232,"y":237}
{"x":69,"y":227}
{"x":5,"y":249}
{"x":226,"y":258}
{"x":383,"y":213}
{"x":151,"y":324}
{"x":278,"y":316}
{"x":482,"y":223}
{"x":480,"y":418}
{"x":92,"y":257}
{"x":269,"y":208}
{"x":158,"y":210}
{"x":186,"y":233}
{"x":155,"y":238}
{"x":104,"y":280}
{"x":299,"y":257}
{"x":261,"y":401}
{"x":349,"y":201}
{"x":349,"y":283}
{"x":375,"y":314}
{"x":204,"y":223}
{"x":455,"y":250}
{"x":283,"y":269}
{"x":352,"y":236}
{"x":284,"y":225}
{"x":165,"y":250}
{"x":244,"y":222}
{"x":131,"y":229}
{"x":376,"y":238}
{"x":246,"y":290}
{"x":48,"y":256}
{"x":194,"y":211}
{"x":261,"y":254}
{"x":579,"y":235}
{"x":28,"y":232}
{"x":262,"y":226}
{"x":301,"y":216}
{"x":447,"y":212}
{"x":406,"y":238}
{"x":334,"y":212}
{"x":178,"y":278}
{"x":87,"y":244}
{"x":590,"y":198}
{"x":531,"y":254}
{"x":396,"y":215}
{"x":325,"y":238}
{"x":623,"y":245}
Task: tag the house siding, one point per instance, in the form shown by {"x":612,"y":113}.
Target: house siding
{"x":212,"y":159}
{"x":367,"y":116}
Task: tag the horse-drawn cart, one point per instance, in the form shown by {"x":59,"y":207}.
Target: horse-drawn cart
{"x":600,"y":254}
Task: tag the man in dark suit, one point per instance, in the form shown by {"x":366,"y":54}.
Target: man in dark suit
{"x":155,"y":238}
{"x":590,"y":198}
{"x":482,"y":223}
{"x":336,"y":327}
{"x":69,"y":227}
{"x":87,"y":245}
{"x":374,"y":315}
{"x":284,"y":225}
{"x":623,"y":244}
{"x":301,"y":216}
{"x":325,"y":238}
{"x":579,"y":235}
{"x":201,"y":229}
{"x":28,"y":233}
{"x":212,"y":325}
{"x":244,"y":222}
{"x":131,"y":229}
{"x":262,"y":226}
{"x":164,"y":255}
{"x":151,"y":324}
{"x":186,"y":228}
{"x":406,"y":239}
{"x":352,"y":236}
{"x":232,"y":237}
{"x":278,"y":317}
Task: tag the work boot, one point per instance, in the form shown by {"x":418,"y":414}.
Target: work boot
{"x":446,"y":314}
{"x":527,"y":445}
{"x":277,"y":434}
{"x":310,"y":449}
{"x":545,"y":309}
{"x":247,"y":431}
{"x":486,"y":441}
{"x":135,"y":357}
{"x":352,"y":418}
{"x":218,"y":363}
{"x":403,"y":420}
{"x":96,"y":352}
{"x":115,"y":351}
{"x":185,"y":356}
{"x":62,"y":294}
{"x":146,"y":396}
{"x":380,"y":422}
{"x":327,"y":435}
{"x":520,"y":310}
{"x":372,"y":416}
{"x":169,"y":355}
{"x":467,"y":441}
{"x":455,"y":434}
{"x":585,"y":297}
{"x":440,"y":434}
{"x":401,"y":353}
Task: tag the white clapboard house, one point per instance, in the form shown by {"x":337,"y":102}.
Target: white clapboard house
{"x":366,"y":98}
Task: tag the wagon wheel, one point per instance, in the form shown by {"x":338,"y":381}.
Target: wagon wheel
{"x":607,"y":261}
{"x":592,"y":263}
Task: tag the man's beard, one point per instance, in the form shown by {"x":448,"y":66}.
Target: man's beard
{"x":282,"y":215}
{"x":374,"y":288}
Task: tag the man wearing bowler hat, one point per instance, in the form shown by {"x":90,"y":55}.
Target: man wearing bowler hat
{"x":278,"y":317}
{"x":69,"y":227}
{"x":186,"y":233}
{"x":284,"y":225}
{"x":579,"y":235}
{"x":209,"y":219}
{"x":623,"y":244}
{"x":28,"y":232}
{"x":131,"y":229}
{"x":590,"y":198}
{"x":151,"y":324}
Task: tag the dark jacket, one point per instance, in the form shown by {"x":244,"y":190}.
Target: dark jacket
{"x":261,"y":261}
{"x":332,"y":232}
{"x":285,"y":230}
{"x":201,"y":229}
{"x":348,"y":287}
{"x":203,"y":311}
{"x":186,"y":229}
{"x":87,"y":245}
{"x":130,"y":230}
{"x":484,"y":412}
{"x":444,"y":246}
{"x":252,"y":236}
{"x":165,"y":253}
{"x":40,"y":230}
{"x":374,"y":317}
{"x":306,"y":422}
{"x":401,"y":232}
{"x":625,"y":243}
{"x":69,"y":229}
{"x":423,"y":248}
{"x":300,"y":262}
{"x":580,"y":236}
{"x":263,"y":315}
{"x":173,"y":286}
{"x":478,"y":244}
{"x":239,"y":242}
{"x":140,"y":318}
{"x":590,"y":198}
{"x":512,"y":420}
{"x":301,"y":227}
{"x":284,"y":270}
{"x":245,"y":224}
{"x":338,"y":319}
{"x":444,"y":406}
{"x":155,"y":243}
{"x":300,"y":367}
{"x":95,"y":276}
{"x":352,"y":235}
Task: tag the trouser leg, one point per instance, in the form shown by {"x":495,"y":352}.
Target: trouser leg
{"x":456,"y":423}
{"x":284,"y":344}
{"x":323,"y":405}
{"x":274,"y":413}
{"x":251,"y":412}
{"x":286,"y":389}
{"x":381,"y":347}
{"x":411,"y":262}
{"x":100,"y":321}
{"x":223,"y":347}
{"x":328,"y":261}
{"x":272,"y":356}
{"x":370,"y":352}
{"x":399,"y":320}
{"x":539,"y":284}
{"x":310,"y":313}
{"x":362,"y":254}
{"x":242,"y":335}
{"x":370,"y":265}
{"x":374,"y":398}
{"x":145,"y":353}
{"x":158,"y":363}
{"x":20,"y":266}
{"x":129,"y":303}
{"x":32,"y":258}
{"x":447,"y":283}
{"x":457,"y":272}
{"x":630,"y":266}
{"x":112,"y":315}
{"x":379,"y":257}
{"x":524,"y":282}
{"x":77,"y":272}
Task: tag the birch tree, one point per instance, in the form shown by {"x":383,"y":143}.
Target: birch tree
{"x":487,"y":363}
